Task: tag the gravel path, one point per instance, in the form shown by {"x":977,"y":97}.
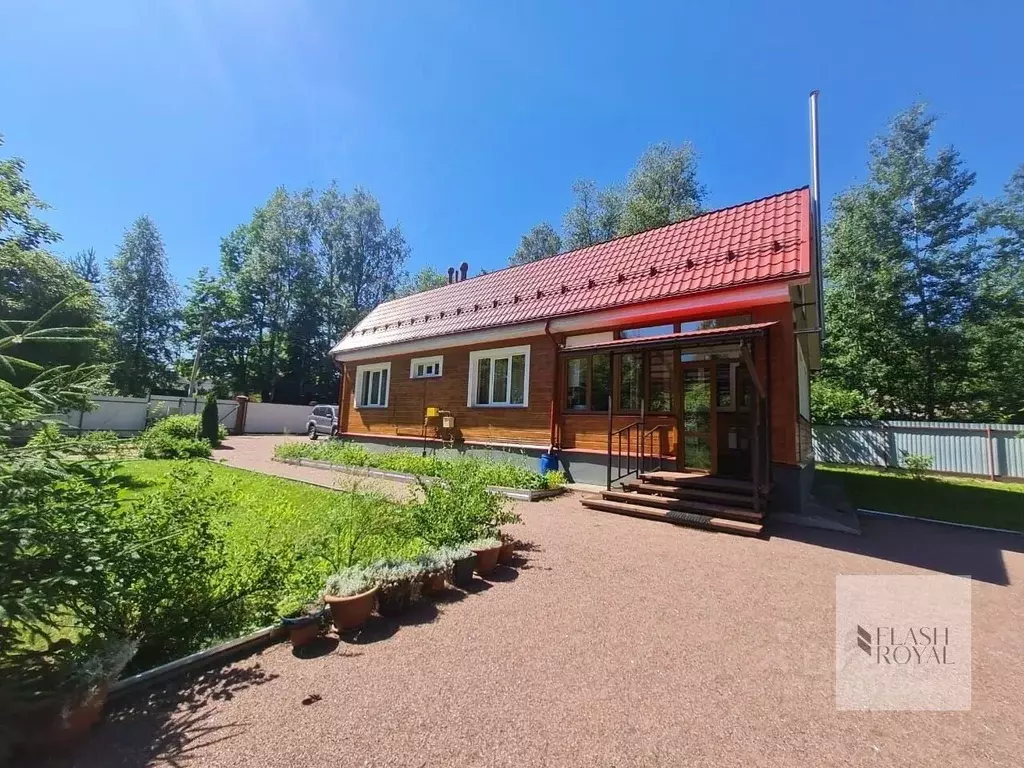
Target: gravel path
{"x":617,"y":642}
{"x":256,"y":452}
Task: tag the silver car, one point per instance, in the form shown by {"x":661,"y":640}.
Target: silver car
{"x":323,"y":420}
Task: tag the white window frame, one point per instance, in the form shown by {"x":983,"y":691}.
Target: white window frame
{"x":498,"y":354}
{"x":369,"y":370}
{"x":436,"y":360}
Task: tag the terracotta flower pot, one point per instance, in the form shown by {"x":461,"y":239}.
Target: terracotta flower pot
{"x":68,"y":731}
{"x":351,"y":612}
{"x":462,"y":571}
{"x":506,"y":552}
{"x":486,"y":559}
{"x":434,"y":583}
{"x":396,"y":600}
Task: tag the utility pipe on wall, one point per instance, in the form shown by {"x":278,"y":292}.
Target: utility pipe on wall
{"x":816,"y":213}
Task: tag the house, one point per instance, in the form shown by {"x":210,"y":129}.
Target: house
{"x":680,"y":352}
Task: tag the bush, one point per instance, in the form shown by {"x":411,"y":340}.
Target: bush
{"x":918,"y":464}
{"x":831,"y":402}
{"x":210,"y":422}
{"x":505,"y":474}
{"x":458,"y":509}
{"x":177,"y":437}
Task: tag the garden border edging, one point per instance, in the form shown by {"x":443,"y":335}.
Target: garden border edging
{"x":223,"y":653}
{"x":519,"y":494}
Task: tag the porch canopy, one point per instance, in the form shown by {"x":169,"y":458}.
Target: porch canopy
{"x":698,"y":338}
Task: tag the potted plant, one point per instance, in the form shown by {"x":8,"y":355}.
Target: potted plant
{"x":508,"y":548}
{"x":436,"y":566}
{"x":463,"y":559}
{"x":350,"y":594}
{"x":399,"y":584}
{"x":486,"y":550}
{"x":304,"y":620}
{"x":85,"y":692}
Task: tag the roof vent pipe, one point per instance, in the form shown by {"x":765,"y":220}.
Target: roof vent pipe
{"x":463,"y":271}
{"x":451,"y":275}
{"x":816,"y":214}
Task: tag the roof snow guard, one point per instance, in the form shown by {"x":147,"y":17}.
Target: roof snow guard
{"x":759,"y":241}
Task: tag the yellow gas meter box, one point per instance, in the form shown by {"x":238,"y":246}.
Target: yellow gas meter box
{"x":431,"y":412}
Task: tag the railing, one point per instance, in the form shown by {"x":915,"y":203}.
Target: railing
{"x":632,"y":461}
{"x":651,"y":459}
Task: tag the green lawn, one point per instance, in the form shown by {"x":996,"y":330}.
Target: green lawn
{"x":951,"y":499}
{"x":301,"y":524}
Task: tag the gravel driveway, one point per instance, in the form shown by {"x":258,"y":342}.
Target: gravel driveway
{"x":617,"y":642}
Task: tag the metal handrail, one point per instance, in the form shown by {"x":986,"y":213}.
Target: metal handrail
{"x":627,"y":430}
{"x":657,"y":455}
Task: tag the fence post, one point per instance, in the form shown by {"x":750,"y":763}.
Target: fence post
{"x":991,"y":453}
{"x":240,"y":414}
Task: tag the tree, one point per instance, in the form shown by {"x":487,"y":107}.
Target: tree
{"x":210,"y":420}
{"x":426,"y":279}
{"x":35,"y":285}
{"x":143,"y":310}
{"x":539,"y":243}
{"x":662,"y":189}
{"x":18,"y":204}
{"x":995,"y":330}
{"x":901,"y":270}
{"x":87,"y":266}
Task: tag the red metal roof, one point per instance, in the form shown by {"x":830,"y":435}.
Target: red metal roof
{"x":700,"y":336}
{"x":755,"y":242}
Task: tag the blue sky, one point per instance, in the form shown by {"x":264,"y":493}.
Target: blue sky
{"x":470,"y":121}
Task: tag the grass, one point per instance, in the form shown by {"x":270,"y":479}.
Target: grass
{"x":951,"y":499}
{"x":505,"y":474}
{"x":298,"y":522}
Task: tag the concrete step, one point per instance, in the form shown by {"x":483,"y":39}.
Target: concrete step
{"x":675,"y":516}
{"x":684,"y":505}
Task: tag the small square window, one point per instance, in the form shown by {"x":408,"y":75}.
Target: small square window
{"x":425,"y":367}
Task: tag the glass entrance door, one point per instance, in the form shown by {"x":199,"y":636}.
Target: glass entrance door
{"x":698,"y":417}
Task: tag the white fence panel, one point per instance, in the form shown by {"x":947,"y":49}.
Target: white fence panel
{"x":275,"y":419}
{"x":130,"y":415}
{"x":993,"y":450}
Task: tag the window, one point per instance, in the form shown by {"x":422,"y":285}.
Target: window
{"x":650,"y":330}
{"x":630,"y":370}
{"x":425,"y":367}
{"x":659,"y":380}
{"x":372,"y":385}
{"x":714,"y":322}
{"x":499,"y":377}
{"x":587,"y":383}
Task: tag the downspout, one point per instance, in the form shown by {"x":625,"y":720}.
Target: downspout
{"x":816,"y":216}
{"x":556,"y":388}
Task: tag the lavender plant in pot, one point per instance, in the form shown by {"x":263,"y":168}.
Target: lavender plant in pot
{"x":463,"y":559}
{"x":437,"y":567}
{"x":399,"y":584}
{"x":486,"y":549}
{"x":303,"y":619}
{"x":350,"y":595}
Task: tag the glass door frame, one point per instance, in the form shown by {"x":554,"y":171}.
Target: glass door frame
{"x":712,"y":436}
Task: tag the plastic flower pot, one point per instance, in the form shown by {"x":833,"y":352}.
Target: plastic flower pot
{"x":486,"y":559}
{"x":462,"y":571}
{"x":304,"y":629}
{"x":351,"y":612}
{"x":506,"y":552}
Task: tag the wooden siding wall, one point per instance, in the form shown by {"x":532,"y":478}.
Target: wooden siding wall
{"x":409,"y":399}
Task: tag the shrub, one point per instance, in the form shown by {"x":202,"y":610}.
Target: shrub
{"x":457,"y":509}
{"x":918,"y":464}
{"x":155,"y":444}
{"x":554,"y":478}
{"x":210,"y":422}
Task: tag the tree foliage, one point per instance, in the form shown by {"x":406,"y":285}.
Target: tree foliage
{"x":143,"y":304}
{"x":539,"y":243}
{"x":662,"y":188}
{"x":923,"y":294}
{"x":424,"y":280}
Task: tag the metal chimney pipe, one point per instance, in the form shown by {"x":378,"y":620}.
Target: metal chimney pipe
{"x":463,"y":271}
{"x":816,"y":214}
{"x":451,"y":275}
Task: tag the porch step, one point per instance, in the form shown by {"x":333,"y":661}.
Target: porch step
{"x":745,"y":499}
{"x":689,"y":480}
{"x":684,"y":505}
{"x":675,"y":516}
